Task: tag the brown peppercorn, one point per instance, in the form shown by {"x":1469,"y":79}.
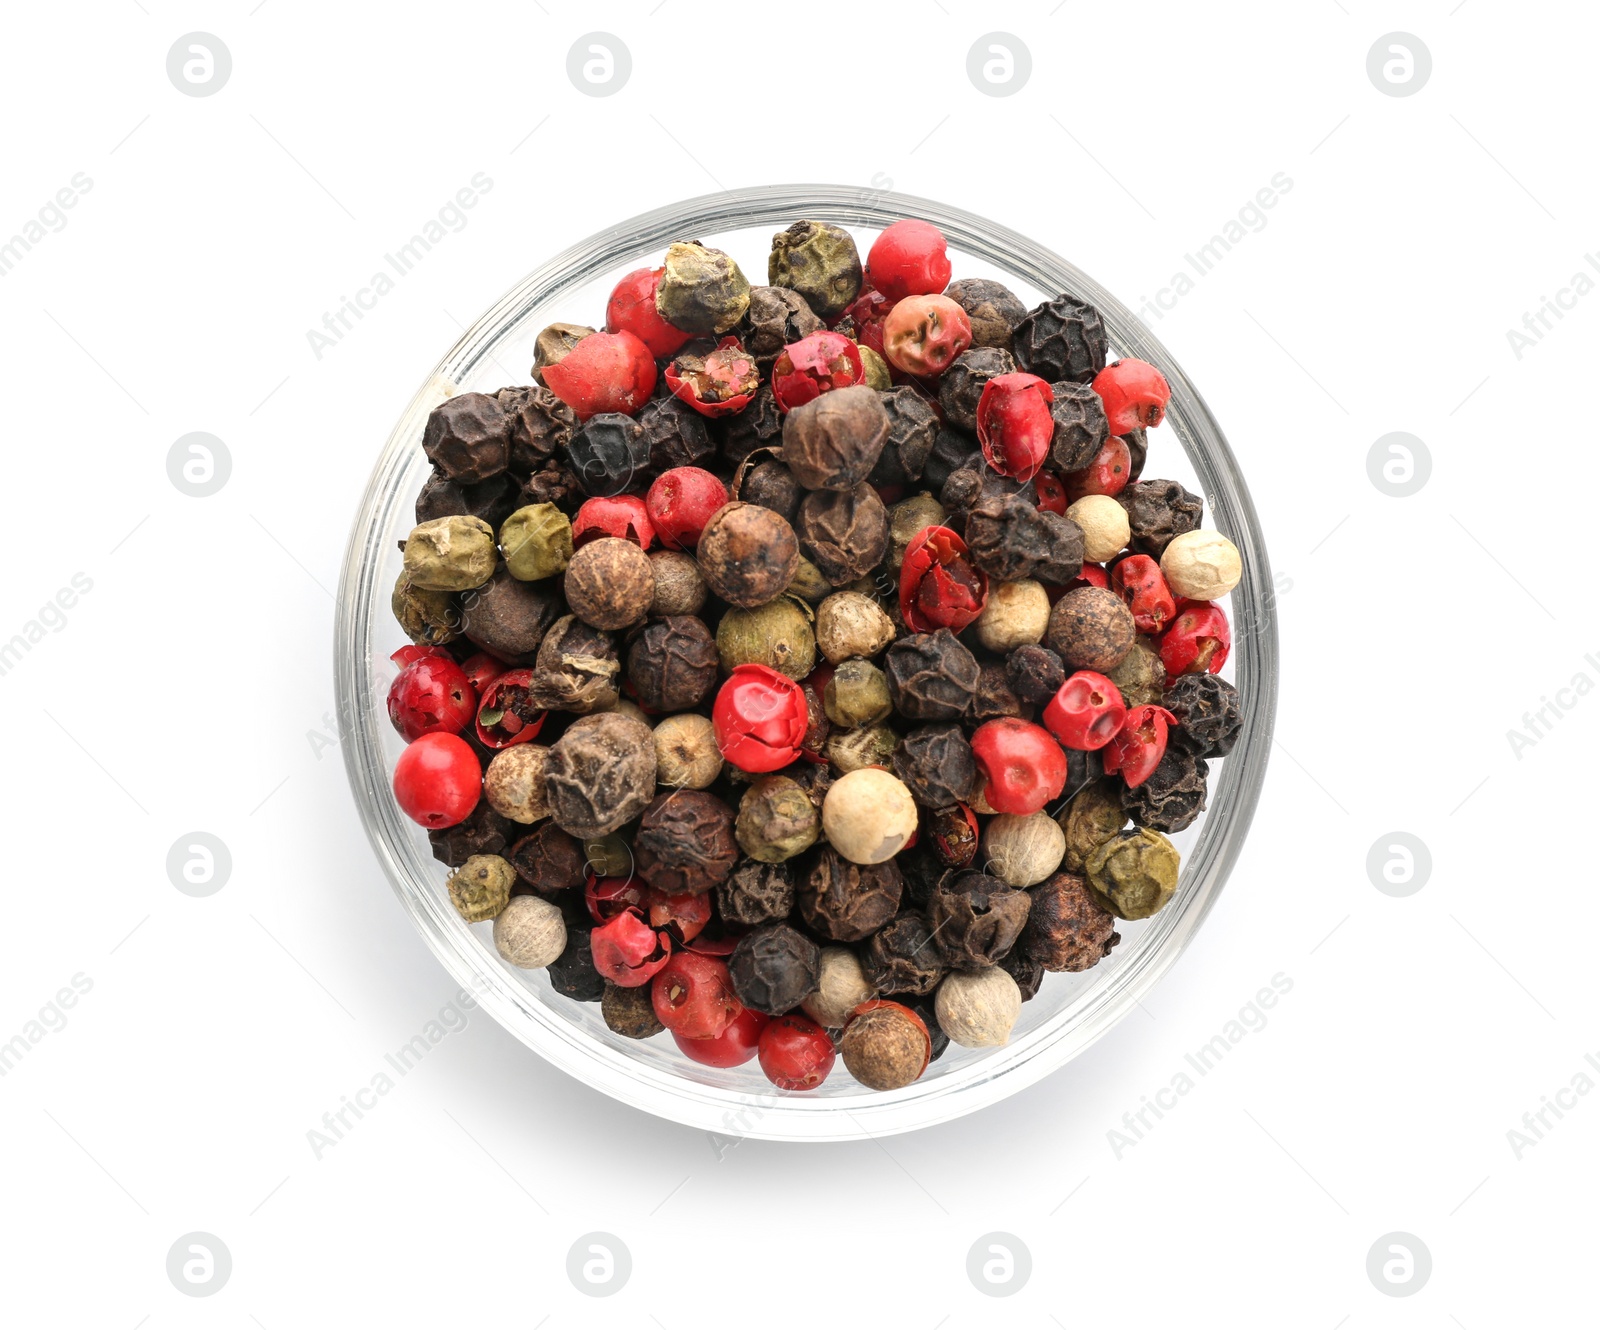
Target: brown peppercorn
{"x":672,"y":664}
{"x":759,"y":425}
{"x":1093,"y":816}
{"x":747,"y":554}
{"x":490,"y":501}
{"x":468,"y":438}
{"x":483,"y":831}
{"x":554,"y":343}
{"x":685,"y":842}
{"x":755,"y":893}
{"x":937,"y":766}
{"x":902,"y":956}
{"x":774,"y":968}
{"x":765,"y":480}
{"x":576,"y":669}
{"x":1140,"y":677}
{"x":602,"y":773}
{"x":1013,"y":540}
{"x":976,"y":919}
{"x":509,"y":618}
{"x":1158,"y":510}
{"x":675,"y":434}
{"x":428,"y":618}
{"x":1172,"y":796}
{"x":833,"y":441}
{"x":548,"y":859}
{"x":845,"y":533}
{"x":1035,"y":673}
{"x":776,"y":317}
{"x":541,"y":425}
{"x":1060,"y":339}
{"x":1081,"y":429}
{"x":481,"y":887}
{"x":701,"y":289}
{"x":1207,"y":710}
{"x":993,"y":699}
{"x":630,"y":1012}
{"x":610,"y":583}
{"x":846,"y":902}
{"x":962,"y":384}
{"x":818,"y":260}
{"x":913,"y":426}
{"x":931,"y":676}
{"x":1067,"y":930}
{"x":679,"y":587}
{"x":1091,"y":629}
{"x":992,"y":309}
{"x":777,"y":820}
{"x":886,"y":1047}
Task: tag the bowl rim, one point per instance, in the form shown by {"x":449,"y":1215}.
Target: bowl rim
{"x":778,"y":1116}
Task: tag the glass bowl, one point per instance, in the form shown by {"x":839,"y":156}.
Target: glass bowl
{"x":1071,"y":1011}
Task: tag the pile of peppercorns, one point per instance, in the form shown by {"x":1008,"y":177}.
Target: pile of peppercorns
{"x":790,"y":661}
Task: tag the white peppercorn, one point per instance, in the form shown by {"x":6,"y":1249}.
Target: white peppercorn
{"x":977,"y":1008}
{"x":1016,"y":614}
{"x":841,"y":987}
{"x":851,"y":624}
{"x":514,"y":782}
{"x":1023,"y":850}
{"x":868,"y":816}
{"x":529,"y":932}
{"x":687,"y":757}
{"x":1201,"y":565}
{"x":1105,"y":526}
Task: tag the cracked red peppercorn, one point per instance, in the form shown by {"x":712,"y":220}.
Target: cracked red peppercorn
{"x":693,"y":997}
{"x":814,"y":365}
{"x":507,"y":714}
{"x":627,"y":951}
{"x":908,"y":259}
{"x":796,"y":1053}
{"x":735,"y":1046}
{"x":604,"y":372}
{"x":1015,"y":425}
{"x":607,"y":897}
{"x":623,"y":516}
{"x":681,"y":502}
{"x":1023,"y":766}
{"x":1138,"y":580}
{"x":1197,"y":642}
{"x":1107,"y":474}
{"x":1135,"y":395}
{"x":431,"y":694}
{"x":760,"y":719}
{"x":1139,"y":744}
{"x":632,"y":308}
{"x":718,"y":384}
{"x":1086,"y":713}
{"x":866,"y":314}
{"x":939,"y":586}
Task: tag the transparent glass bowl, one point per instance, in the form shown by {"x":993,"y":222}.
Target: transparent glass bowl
{"x":1070,"y":1011}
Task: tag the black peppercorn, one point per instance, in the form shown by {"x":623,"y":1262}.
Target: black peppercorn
{"x":1035,"y":673}
{"x":1082,"y":769}
{"x":1206,"y":707}
{"x":492,"y":500}
{"x":1012,"y":539}
{"x":1063,"y":338}
{"x":541,"y":425}
{"x":672,"y":664}
{"x":1081,"y":429}
{"x":818,"y":260}
{"x":572,"y":973}
{"x":756,"y":893}
{"x":552,"y":483}
{"x":993,"y":699}
{"x":961,"y":385}
{"x":845,"y":902}
{"x":509,"y":618}
{"x":610,"y":583}
{"x":1067,"y":929}
{"x":832,"y":442}
{"x":1091,"y":629}
{"x":747,"y":554}
{"x":777,"y":316}
{"x":913,"y":426}
{"x":468,"y":438}
{"x":630,"y":1012}
{"x":601,"y":773}
{"x":1138,"y":448}
{"x":759,"y":425}
{"x":762,"y":479}
{"x":609,"y":452}
{"x":845,"y":534}
{"x":937,"y":766}
{"x":548,"y":859}
{"x":482,"y":831}
{"x":675,"y":434}
{"x":774,"y":969}
{"x":931,"y":676}
{"x":576,"y":669}
{"x":902,"y":956}
{"x":976,"y":919}
{"x":952,"y":447}
{"x":1158,"y":510}
{"x":1027,"y":972}
{"x":685,"y":842}
{"x":1170,"y":797}
{"x":992,"y":309}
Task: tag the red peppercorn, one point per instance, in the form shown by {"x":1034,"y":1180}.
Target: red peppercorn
{"x":411,"y":651}
{"x":623,"y":516}
{"x":1052,"y":493}
{"x":1134,"y":394}
{"x":814,"y":365}
{"x":867,"y":312}
{"x":506,"y":715}
{"x":1015,"y":425}
{"x":680,"y":503}
{"x":604,"y":372}
{"x":718,"y":384}
{"x":1138,"y":580}
{"x":1138,"y":746}
{"x":437,"y":780}
{"x":939,"y":585}
{"x":431,"y":694}
{"x":481,"y":670}
{"x":1198,"y":641}
{"x":924,"y":334}
{"x":607,"y":897}
{"x":628,"y":952}
{"x":1091,"y":574}
{"x":1086,"y":712}
{"x":908,"y":259}
{"x":693,"y":996}
{"x":684,"y":916}
{"x":1107,"y":474}
{"x":760,"y":719}
{"x":734,"y":1046}
{"x":796,"y":1053}
{"x":632,"y":308}
{"x":1024,"y":767}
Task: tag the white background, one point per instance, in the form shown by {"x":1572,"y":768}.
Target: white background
{"x":184,"y":690}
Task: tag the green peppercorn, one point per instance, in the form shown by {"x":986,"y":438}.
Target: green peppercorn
{"x":1135,"y":873}
{"x":450,"y":554}
{"x":869,"y":746}
{"x":820,"y":261}
{"x":778,"y":635}
{"x":630,"y":1012}
{"x":906,"y":519}
{"x":428,"y":618}
{"x":553,"y":344}
{"x":875,"y":369}
{"x":809,"y":584}
{"x":1141,"y":678}
{"x":608,"y":856}
{"x":701,"y":289}
{"x":857,"y":695}
{"x":776,"y":820}
{"x":1094,"y":815}
{"x":536,"y":542}
{"x":481,"y":887}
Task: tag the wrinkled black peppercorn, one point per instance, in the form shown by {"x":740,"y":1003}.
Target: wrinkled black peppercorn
{"x":961,"y":385}
{"x":541,"y":425}
{"x":777,"y":316}
{"x":468,"y":438}
{"x":902,"y":956}
{"x":937,"y":766}
{"x":993,"y":698}
{"x":951,"y":448}
{"x":1012,"y":538}
{"x":762,"y":479}
{"x":756,"y":893}
{"x":1207,"y":710}
{"x":1027,"y":972}
{"x":931,"y":676}
{"x":685,"y":842}
{"x":672,"y":664}
{"x":774,"y":968}
{"x":675,"y":434}
{"x":973,"y":481}
{"x":1158,"y":510}
{"x":1081,"y":429}
{"x":572,"y":973}
{"x":483,"y":831}
{"x":759,"y":425}
{"x":601,"y":773}
{"x":1063,"y":338}
{"x":493,"y":500}
{"x":552,"y":483}
{"x":1067,"y":928}
{"x":913,"y":427}
{"x":548,"y":859}
{"x":832,"y":442}
{"x":1172,"y":796}
{"x":1035,"y":673}
{"x":609,"y":452}
{"x":845,"y":534}
{"x":845,"y":902}
{"x":976,"y":919}
{"x":1138,"y":449}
